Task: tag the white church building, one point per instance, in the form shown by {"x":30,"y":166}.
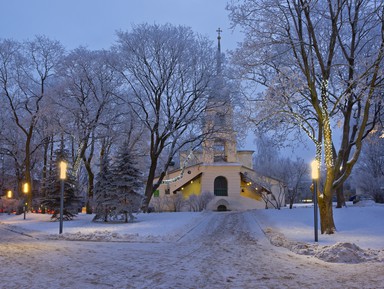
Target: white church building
{"x":219,"y":168}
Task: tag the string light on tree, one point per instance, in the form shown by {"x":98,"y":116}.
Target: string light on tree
{"x":175,"y":179}
{"x":327,"y":126}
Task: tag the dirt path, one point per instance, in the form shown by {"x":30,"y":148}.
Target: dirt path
{"x":225,"y":250}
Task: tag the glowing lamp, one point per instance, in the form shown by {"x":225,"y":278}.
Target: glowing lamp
{"x":63,"y":170}
{"x":315,"y":169}
{"x":25,"y":188}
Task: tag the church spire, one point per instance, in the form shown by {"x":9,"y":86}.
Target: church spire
{"x":218,"y":64}
{"x":218,"y":39}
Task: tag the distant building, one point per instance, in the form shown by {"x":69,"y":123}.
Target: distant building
{"x":219,"y":168}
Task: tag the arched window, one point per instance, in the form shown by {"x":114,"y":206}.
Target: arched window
{"x":220,"y":186}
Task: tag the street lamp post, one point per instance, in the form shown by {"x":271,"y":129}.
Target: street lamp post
{"x":9,"y":196}
{"x":25,"y":191}
{"x":2,"y":172}
{"x":63,"y":176}
{"x":315,"y":176}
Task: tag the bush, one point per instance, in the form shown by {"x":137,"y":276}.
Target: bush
{"x":198,"y":203}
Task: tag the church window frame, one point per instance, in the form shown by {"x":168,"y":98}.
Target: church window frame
{"x":220,"y":186}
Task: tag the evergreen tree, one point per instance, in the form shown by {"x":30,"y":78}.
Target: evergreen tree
{"x":127,"y":182}
{"x":53,"y":189}
{"x":104,"y":192}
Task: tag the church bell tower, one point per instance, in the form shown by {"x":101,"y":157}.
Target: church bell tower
{"x":220,"y":145}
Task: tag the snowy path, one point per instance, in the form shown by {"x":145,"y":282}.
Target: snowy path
{"x":224,"y":250}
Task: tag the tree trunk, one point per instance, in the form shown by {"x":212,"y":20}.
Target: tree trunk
{"x":327,"y":223}
{"x":325,"y":206}
{"x":150,"y":186}
{"x":149,"y":189}
{"x":91,"y":178}
{"x":27,"y":174}
{"x":45,"y":166}
{"x":340,"y":197}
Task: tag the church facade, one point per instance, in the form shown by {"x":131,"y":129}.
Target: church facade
{"x":219,"y":168}
{"x":234,"y":184}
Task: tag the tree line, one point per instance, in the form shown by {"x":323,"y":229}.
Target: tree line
{"x":148,"y":91}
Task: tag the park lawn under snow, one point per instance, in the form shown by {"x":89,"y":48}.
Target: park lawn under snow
{"x":360,"y":224}
{"x":147,"y":227}
{"x":215,"y":250}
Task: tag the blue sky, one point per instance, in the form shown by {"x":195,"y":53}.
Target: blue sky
{"x":93,"y":23}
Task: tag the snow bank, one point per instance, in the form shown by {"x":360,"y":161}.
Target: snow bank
{"x":359,"y":236}
{"x":338,"y":253}
{"x":348,"y":253}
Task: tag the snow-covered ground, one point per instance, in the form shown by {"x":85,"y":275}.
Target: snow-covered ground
{"x":252,"y":249}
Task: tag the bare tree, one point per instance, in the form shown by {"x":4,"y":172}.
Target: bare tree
{"x":193,"y":203}
{"x":159,"y":204}
{"x":291,"y":173}
{"x":198,"y":203}
{"x":89,"y":86}
{"x":27,"y":70}
{"x":296,"y":173}
{"x":320,"y":64}
{"x":167,"y":71}
{"x":174,"y":203}
{"x":266,"y":158}
{"x":12,"y":156}
{"x":369,"y":171}
{"x":274,"y":171}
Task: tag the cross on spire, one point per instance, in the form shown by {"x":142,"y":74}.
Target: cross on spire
{"x":219,"y":38}
{"x":219,"y":31}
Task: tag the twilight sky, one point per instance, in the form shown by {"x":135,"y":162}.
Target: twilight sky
{"x":93,"y":23}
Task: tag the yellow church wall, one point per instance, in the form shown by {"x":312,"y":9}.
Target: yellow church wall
{"x":248,"y":191}
{"x":189,"y":188}
{"x":192,"y":188}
